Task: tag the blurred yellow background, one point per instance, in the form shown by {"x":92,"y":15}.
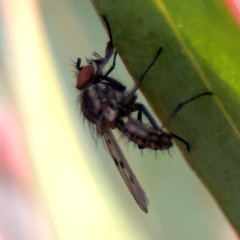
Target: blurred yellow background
{"x":56,"y":182}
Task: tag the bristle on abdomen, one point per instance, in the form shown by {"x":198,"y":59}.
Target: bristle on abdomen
{"x":143,"y":135}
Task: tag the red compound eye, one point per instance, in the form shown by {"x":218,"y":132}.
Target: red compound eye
{"x":84,"y":76}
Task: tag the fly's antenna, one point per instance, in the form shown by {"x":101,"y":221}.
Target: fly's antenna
{"x":133,"y":91}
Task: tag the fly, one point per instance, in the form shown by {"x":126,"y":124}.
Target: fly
{"x":106,"y":104}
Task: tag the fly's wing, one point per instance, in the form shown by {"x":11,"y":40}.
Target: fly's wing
{"x":125,"y":171}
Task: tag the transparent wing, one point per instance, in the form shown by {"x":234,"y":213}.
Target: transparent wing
{"x":125,"y":171}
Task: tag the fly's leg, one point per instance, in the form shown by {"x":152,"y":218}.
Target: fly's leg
{"x":110,"y":47}
{"x":101,"y":62}
{"x":177,"y":109}
{"x":180,"y":105}
{"x":181,"y":140}
{"x":135,"y":88}
{"x":110,"y":43}
{"x":142,"y":109}
{"x":109,"y":50}
{"x":113,"y":65}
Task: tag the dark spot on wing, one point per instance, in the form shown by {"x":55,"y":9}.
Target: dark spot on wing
{"x":121,"y":164}
{"x":116,"y":162}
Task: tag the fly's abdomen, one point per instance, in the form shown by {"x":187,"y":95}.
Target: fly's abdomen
{"x":143,"y":135}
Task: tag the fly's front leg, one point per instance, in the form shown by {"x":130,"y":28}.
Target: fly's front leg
{"x":109,"y":47}
{"x":113,"y":65}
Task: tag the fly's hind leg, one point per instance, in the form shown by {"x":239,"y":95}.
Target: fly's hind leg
{"x":143,"y":110}
{"x":177,"y":109}
{"x":182,"y":104}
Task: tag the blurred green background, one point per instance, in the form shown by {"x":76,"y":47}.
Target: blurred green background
{"x":56,"y":182}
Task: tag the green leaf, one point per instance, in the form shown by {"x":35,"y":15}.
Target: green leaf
{"x":201,"y":53}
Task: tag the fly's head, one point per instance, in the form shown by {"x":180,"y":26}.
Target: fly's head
{"x":85,"y":74}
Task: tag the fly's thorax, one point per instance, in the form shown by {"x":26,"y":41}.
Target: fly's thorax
{"x":100,"y":104}
{"x":143,"y":135}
